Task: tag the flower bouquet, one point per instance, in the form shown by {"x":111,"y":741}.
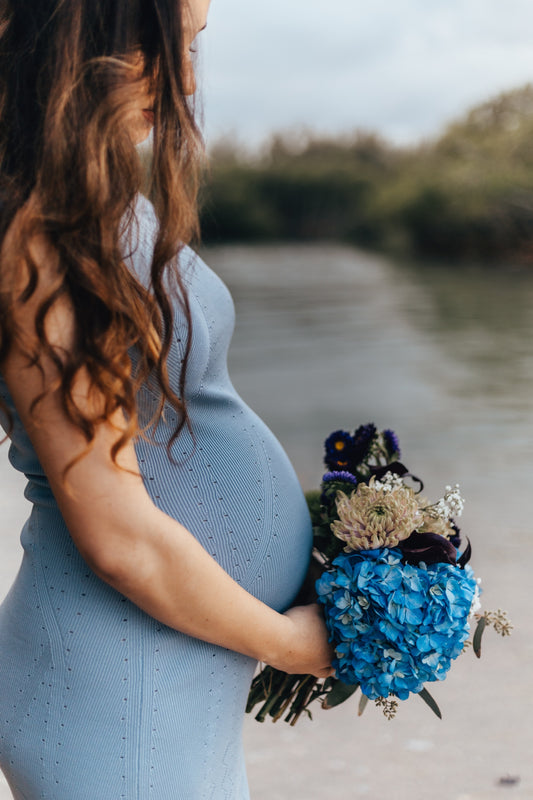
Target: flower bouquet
{"x":398,"y":594}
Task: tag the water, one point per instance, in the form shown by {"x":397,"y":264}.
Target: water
{"x":331,"y":337}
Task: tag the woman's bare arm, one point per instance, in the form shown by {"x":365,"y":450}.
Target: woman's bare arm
{"x":130,"y":543}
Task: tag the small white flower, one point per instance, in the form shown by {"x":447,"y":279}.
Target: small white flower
{"x":389,"y":482}
{"x":476,"y":603}
{"x":451,"y":505}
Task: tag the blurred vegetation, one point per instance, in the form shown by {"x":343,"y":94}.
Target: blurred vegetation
{"x":468,"y":194}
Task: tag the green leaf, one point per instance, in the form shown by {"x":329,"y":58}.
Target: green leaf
{"x":363,"y":702}
{"x":313,"y":503}
{"x":476,"y":642}
{"x":340,"y":692}
{"x":431,"y":702}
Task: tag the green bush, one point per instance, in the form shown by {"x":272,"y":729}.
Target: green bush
{"x":467,"y":194}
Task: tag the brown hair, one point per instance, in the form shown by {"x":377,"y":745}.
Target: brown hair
{"x":65,"y":85}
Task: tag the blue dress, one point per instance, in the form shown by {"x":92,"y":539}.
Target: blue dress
{"x":98,"y":700}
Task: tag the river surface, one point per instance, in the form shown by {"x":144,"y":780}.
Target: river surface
{"x":330,"y":337}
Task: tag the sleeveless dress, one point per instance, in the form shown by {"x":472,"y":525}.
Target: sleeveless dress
{"x":98,"y":700}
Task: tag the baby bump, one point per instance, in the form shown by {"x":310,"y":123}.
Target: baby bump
{"x":234,"y":487}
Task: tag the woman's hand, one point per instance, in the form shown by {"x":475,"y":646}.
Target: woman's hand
{"x":304,"y":648}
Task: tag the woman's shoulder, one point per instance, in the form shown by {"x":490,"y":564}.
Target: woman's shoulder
{"x":139,"y":233}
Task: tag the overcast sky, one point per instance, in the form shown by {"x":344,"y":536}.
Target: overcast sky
{"x":401,"y":67}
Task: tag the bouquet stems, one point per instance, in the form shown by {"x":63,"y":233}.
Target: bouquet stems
{"x":281,"y":694}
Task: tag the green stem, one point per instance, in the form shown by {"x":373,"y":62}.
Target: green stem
{"x":283,"y":706}
{"x":306,"y":688}
{"x":287,"y":690}
{"x":261,"y":716}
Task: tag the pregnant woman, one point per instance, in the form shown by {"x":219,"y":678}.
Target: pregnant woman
{"x":168,"y":534}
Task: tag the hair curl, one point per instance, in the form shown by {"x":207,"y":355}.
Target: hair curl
{"x":65,"y":86}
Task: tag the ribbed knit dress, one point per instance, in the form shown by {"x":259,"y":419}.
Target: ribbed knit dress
{"x":98,"y":700}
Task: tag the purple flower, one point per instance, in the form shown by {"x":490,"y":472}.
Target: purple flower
{"x":362,"y":440}
{"x":391,"y":443}
{"x":339,"y":447}
{"x":333,"y":482}
{"x":342,"y":476}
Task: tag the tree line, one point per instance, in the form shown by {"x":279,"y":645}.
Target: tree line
{"x":467,"y":194}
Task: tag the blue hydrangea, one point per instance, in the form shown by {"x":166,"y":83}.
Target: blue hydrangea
{"x":395,"y":626}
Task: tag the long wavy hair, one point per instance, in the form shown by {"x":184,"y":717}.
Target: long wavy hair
{"x":65,"y":87}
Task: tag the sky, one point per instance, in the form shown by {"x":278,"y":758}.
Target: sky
{"x":403,"y":68}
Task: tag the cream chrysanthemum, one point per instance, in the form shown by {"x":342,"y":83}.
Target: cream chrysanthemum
{"x":372,"y":517}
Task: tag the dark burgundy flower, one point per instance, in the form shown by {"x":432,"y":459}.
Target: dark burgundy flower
{"x":456,"y":538}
